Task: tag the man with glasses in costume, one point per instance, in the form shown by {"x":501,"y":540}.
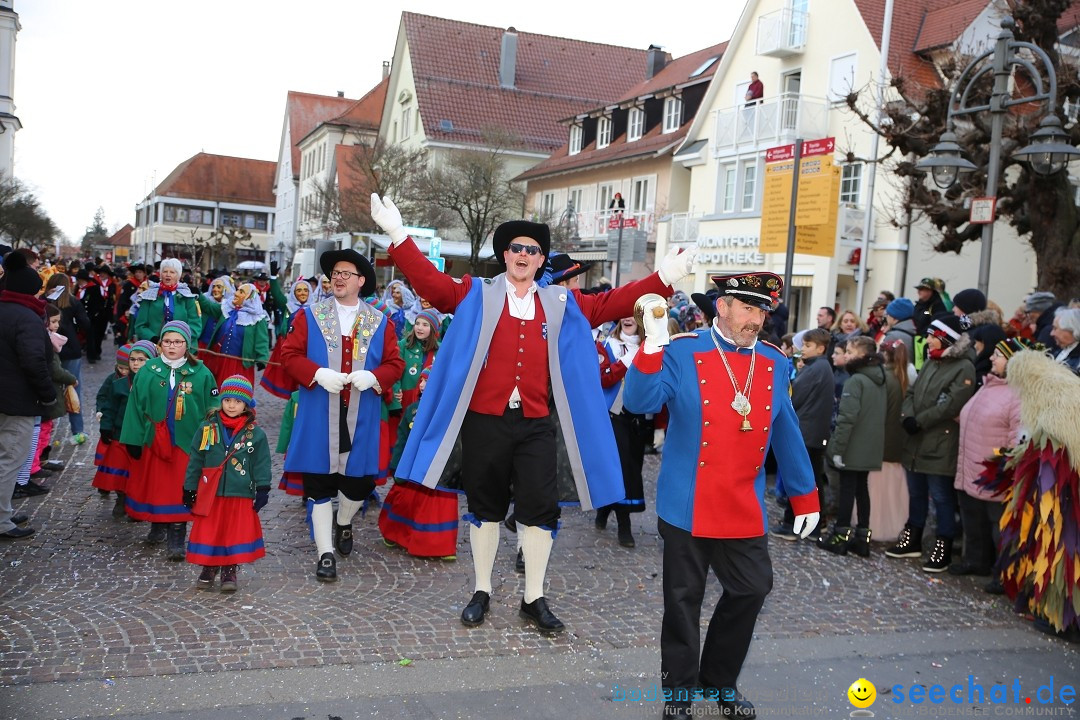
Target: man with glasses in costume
{"x":512,"y":339}
{"x":343,"y":353}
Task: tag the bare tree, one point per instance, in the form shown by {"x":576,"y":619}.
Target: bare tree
{"x":1040,"y":207}
{"x":23,"y":222}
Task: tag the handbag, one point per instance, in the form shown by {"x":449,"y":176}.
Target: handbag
{"x":207,"y":487}
{"x":71,"y":399}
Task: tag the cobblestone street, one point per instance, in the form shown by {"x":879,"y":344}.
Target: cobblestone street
{"x":87,"y":599}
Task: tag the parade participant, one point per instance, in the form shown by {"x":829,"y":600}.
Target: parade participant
{"x":398,"y":298}
{"x":279,"y":305}
{"x":168,"y":400}
{"x":509,"y":338}
{"x":275,"y":379}
{"x":220,"y":292}
{"x":227,"y":483}
{"x":241,"y":339}
{"x":417,"y":349}
{"x":110,"y":293}
{"x":167,"y":301}
{"x":128,"y":288}
{"x":728,"y":400}
{"x":291,"y":482}
{"x":112,"y":465}
{"x":88,"y":292}
{"x":337,"y":351}
{"x":324,"y":290}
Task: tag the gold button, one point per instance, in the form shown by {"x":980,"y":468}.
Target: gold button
{"x":705,"y":444}
{"x":767,"y":407}
{"x":761,"y":449}
{"x":703,"y":381}
{"x":523,"y":322}
{"x":704,"y":402}
{"x":769,"y":368}
{"x":519,"y":365}
{"x":518,"y":377}
{"x":701,"y":464}
{"x":757,"y":467}
{"x":521,"y":349}
{"x":521,"y":336}
{"x":766,"y":428}
{"x":769,"y":387}
{"x":698,"y":362}
{"x":706,"y":423}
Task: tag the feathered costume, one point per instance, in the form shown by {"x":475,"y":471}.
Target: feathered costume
{"x":1039,"y":558}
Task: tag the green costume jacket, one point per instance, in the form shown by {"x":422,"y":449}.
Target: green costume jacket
{"x":287,"y":420}
{"x":152,"y":314}
{"x":113,"y":404}
{"x":247,"y":470}
{"x":149,"y":401}
{"x":256,"y":337}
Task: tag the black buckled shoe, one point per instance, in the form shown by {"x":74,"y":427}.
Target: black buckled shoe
{"x":474,"y":612}
{"x":537,"y":612}
{"x":519,"y":564}
{"x":736,"y":707}
{"x":326,"y":570}
{"x":343,"y":539}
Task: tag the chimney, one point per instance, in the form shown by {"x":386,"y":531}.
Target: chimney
{"x":341,"y":93}
{"x":657,"y":59}
{"x":385,"y":69}
{"x":508,"y":58}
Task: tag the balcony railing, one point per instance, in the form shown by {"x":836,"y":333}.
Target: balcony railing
{"x":772,"y":121}
{"x":594,"y":223}
{"x":782,"y":33}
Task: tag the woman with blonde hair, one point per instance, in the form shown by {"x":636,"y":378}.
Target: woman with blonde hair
{"x":848,"y":325}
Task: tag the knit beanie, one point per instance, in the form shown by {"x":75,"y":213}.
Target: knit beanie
{"x":123,"y":353}
{"x":946,"y":327}
{"x":433,"y":319}
{"x":1039,"y":301}
{"x":380,"y":305}
{"x":19,"y":277}
{"x":239,"y":387}
{"x":970,"y":301}
{"x":146,"y":347}
{"x":177,"y":326}
{"x":900,"y":308}
{"x":1011,"y":346}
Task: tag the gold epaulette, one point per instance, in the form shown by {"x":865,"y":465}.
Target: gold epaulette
{"x":677,"y":336}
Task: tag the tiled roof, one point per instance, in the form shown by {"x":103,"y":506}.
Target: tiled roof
{"x":305,"y":112}
{"x":942,"y":26}
{"x":456,"y":70}
{"x":677,"y":72}
{"x":220,"y":178}
{"x":366,"y":112}
{"x":122,"y":236}
{"x":907,"y":22}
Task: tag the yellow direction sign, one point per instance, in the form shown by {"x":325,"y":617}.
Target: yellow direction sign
{"x":776,"y":206}
{"x":818,"y":193}
{"x":820,"y":238}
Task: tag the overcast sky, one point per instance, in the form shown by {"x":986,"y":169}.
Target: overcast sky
{"x":115,"y":94}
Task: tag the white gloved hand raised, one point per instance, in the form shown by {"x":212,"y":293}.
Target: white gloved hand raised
{"x":675,"y":265}
{"x":628,"y":358}
{"x":656,"y":328}
{"x":385,"y":213}
{"x":362,"y":379}
{"x":331,"y":381}
{"x":805,"y":524}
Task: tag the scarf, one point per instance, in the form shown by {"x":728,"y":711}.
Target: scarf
{"x":250,"y":313}
{"x":174,"y":365}
{"x":28,"y":301}
{"x":58,"y":341}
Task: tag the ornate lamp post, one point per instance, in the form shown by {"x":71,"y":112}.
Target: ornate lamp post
{"x":1049,"y":151}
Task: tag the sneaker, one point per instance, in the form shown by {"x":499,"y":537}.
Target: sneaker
{"x":54,"y":465}
{"x":448,"y":558}
{"x":17,"y":533}
{"x":42,"y":473}
{"x":206,"y":578}
{"x":228,"y":578}
{"x":783,"y":531}
{"x":77,"y":439}
{"x":29,"y":490}
{"x":940,"y":556}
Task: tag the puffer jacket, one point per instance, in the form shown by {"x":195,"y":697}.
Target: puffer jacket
{"x":859,"y":437}
{"x":990,"y":420}
{"x":935,"y":401}
{"x":894,"y":432}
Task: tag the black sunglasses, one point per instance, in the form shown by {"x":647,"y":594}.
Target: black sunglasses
{"x":529,"y":249}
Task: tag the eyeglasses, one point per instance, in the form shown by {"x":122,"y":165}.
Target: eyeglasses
{"x":173,"y":343}
{"x":343,"y":274}
{"x":529,"y":249}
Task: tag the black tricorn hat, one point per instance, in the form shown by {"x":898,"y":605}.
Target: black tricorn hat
{"x":329,"y":259}
{"x":564,"y":267}
{"x":760,"y":289}
{"x":707,"y":302}
{"x":508,"y":231}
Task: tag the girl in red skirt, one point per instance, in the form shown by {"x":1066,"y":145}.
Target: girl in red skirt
{"x":168,"y":401}
{"x":112,"y":470}
{"x":226,"y":531}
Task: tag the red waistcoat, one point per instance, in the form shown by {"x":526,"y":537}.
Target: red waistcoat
{"x":517,"y":356}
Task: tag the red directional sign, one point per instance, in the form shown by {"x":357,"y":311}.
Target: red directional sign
{"x":627,"y":222}
{"x":824,"y":146}
{"x":779,"y":154}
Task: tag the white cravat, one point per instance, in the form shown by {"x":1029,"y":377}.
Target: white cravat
{"x":346,"y":315}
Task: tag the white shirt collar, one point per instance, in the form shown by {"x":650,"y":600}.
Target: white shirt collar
{"x":521,"y":308}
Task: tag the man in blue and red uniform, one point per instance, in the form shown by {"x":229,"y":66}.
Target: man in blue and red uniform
{"x":338,"y":350}
{"x":511,"y":340}
{"x":727,"y":396}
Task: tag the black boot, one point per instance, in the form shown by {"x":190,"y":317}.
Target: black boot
{"x":206,"y":577}
{"x":909,"y":544}
{"x":177,"y":533}
{"x":118,"y":510}
{"x":626,"y":538}
{"x":228,"y":578}
{"x":601,"y":518}
{"x":940,"y":556}
{"x":157,"y":533}
{"x":860,"y":544}
{"x":838,"y":541}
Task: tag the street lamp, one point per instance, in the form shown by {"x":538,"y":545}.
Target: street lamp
{"x":1049,"y":151}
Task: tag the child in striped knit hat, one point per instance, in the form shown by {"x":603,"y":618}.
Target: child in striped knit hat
{"x":227,"y":483}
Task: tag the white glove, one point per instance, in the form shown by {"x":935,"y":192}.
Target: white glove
{"x":675,"y":265}
{"x":97,"y":416}
{"x":805,"y":524}
{"x":332,"y":382}
{"x":628,"y":358}
{"x":362,"y":379}
{"x":838,"y":461}
{"x":385,"y":213}
{"x":656,"y":328}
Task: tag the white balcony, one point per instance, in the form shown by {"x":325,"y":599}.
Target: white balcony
{"x":592,"y":225}
{"x":782,"y":33}
{"x":773,"y":121}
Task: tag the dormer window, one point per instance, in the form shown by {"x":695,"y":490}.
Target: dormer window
{"x":672,"y":114}
{"x":603,"y":132}
{"x":575,"y":139}
{"x":635,"y":126}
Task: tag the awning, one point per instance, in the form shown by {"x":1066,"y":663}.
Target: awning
{"x":450,"y":249}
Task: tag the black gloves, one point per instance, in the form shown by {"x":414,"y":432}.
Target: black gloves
{"x":106,"y":436}
{"x":189,"y":499}
{"x":135,"y":451}
{"x":911,"y":425}
{"x":261,"y":498}
{"x":260,"y":366}
{"x":273,"y":268}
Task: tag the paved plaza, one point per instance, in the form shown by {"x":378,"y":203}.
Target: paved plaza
{"x":95,"y":623}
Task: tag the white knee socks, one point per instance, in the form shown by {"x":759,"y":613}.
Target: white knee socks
{"x":346,"y":509}
{"x":536,"y":546}
{"x":485,"y":543}
{"x":322,"y":520}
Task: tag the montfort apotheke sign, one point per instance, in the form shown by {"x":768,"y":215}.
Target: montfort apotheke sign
{"x":730,"y":250}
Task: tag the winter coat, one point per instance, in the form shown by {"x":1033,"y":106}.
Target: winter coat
{"x":859,"y":437}
{"x":989,"y":336}
{"x":26,"y":388}
{"x":247,"y":470}
{"x":935,"y":401}
{"x":73,"y":320}
{"x":112,"y":402}
{"x":61,"y":379}
{"x":148,"y":402}
{"x":903,"y":331}
{"x":990,"y":420}
{"x":151,"y":315}
{"x":925,"y":312}
{"x":894,"y":432}
{"x":812,"y":398}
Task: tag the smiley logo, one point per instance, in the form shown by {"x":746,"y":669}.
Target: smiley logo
{"x":862,"y":693}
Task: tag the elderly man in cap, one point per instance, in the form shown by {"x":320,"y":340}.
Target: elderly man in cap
{"x":727,"y":395}
{"x":510,"y":341}
{"x":343,"y":353}
{"x":931,"y":301}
